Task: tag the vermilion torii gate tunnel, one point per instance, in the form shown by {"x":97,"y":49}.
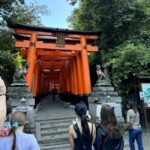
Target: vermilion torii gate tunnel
{"x":56,"y":56}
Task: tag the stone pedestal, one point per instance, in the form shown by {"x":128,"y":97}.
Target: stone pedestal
{"x":103,"y":93}
{"x":21,"y":99}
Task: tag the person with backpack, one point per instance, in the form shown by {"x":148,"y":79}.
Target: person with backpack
{"x":17,"y":139}
{"x":108,"y":133}
{"x":81,"y":132}
{"x":135,"y":133}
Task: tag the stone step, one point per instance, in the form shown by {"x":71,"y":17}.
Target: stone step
{"x":104,"y":93}
{"x":51,"y":121}
{"x":107,"y":89}
{"x":116,"y":99}
{"x":54,"y":139}
{"x":103,"y":99}
{"x":54,"y":131}
{"x":53,"y":143}
{"x":54,"y":119}
{"x":55,"y":125}
{"x":55,"y":147}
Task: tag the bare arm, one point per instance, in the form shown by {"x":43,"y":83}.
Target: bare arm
{"x":71,"y":139}
{"x":94,"y":134}
{"x":128,"y":116}
{"x":2,"y":110}
{"x":2,"y":103}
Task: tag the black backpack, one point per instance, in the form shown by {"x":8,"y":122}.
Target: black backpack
{"x":100,"y":138}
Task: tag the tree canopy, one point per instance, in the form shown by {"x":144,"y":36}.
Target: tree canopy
{"x":15,"y":11}
{"x":125,"y":40}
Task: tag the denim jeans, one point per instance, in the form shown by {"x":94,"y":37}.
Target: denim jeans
{"x":135,"y":134}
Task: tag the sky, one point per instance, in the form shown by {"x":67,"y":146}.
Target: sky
{"x":59,"y":12}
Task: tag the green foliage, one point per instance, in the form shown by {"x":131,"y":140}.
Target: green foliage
{"x":18,"y":12}
{"x":6,"y":41}
{"x":7,"y":66}
{"x":116,"y":19}
{"x":125,"y":40}
{"x":28,"y":14}
{"x":19,"y":60}
{"x":6,"y":7}
{"x":127,"y":59}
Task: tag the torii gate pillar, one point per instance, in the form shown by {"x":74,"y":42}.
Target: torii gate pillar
{"x":31,"y":58}
{"x":85,"y":67}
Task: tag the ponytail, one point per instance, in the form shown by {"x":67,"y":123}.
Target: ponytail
{"x":18,"y":119}
{"x":14,"y":141}
{"x":81,"y":111}
{"x":12,"y":132}
{"x":85,"y":128}
{"x":15,"y":125}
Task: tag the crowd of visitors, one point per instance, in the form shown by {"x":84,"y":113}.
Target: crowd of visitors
{"x":83,"y":135}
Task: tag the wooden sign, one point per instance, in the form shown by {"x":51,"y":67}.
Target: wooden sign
{"x":60,"y":42}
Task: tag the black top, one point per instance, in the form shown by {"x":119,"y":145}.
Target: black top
{"x":105,"y":142}
{"x":113,"y":144}
{"x":79,"y":143}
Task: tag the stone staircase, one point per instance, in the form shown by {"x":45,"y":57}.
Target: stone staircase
{"x":51,"y":125}
{"x":53,"y":134}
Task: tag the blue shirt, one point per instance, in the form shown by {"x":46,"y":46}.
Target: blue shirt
{"x":23,"y":142}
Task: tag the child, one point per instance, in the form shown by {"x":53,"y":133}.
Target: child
{"x":17,"y":139}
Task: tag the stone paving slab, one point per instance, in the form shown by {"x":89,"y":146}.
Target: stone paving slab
{"x":49,"y":109}
{"x":145,"y":138}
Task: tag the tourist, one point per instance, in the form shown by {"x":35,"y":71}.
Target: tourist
{"x":136,"y":132}
{"x":17,"y":139}
{"x":54,"y":92}
{"x":6,"y":126}
{"x":108,"y":133}
{"x":81,"y":132}
{"x":2,"y":103}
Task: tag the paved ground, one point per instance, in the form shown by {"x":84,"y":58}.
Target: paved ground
{"x":49,"y":109}
{"x":146,"y":140}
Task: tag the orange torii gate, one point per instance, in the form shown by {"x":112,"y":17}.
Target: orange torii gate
{"x":56,"y":56}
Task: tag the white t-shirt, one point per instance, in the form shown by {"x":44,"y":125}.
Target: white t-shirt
{"x":23,"y":141}
{"x":133,"y":118}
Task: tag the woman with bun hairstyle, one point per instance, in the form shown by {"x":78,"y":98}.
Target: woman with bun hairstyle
{"x":17,"y":139}
{"x":81,"y":132}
